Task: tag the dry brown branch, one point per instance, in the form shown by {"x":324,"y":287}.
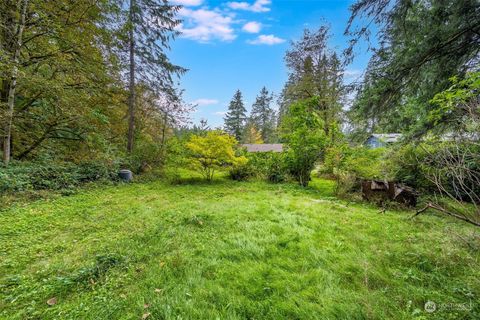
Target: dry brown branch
{"x":452,"y":214}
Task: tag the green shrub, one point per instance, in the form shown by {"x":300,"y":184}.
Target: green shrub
{"x":346,"y":182}
{"x":213,"y":152}
{"x":419,"y":165}
{"x":408,"y":166}
{"x":275,"y":168}
{"x":304,"y":138}
{"x":365,"y":163}
{"x":146,"y":155}
{"x":241,"y":173}
{"x":261,"y":165}
{"x":349,"y":165}
{"x":54,"y":176}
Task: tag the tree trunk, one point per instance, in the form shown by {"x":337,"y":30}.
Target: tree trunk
{"x":13,"y":86}
{"x":36,"y":144}
{"x":162,"y":142}
{"x":131,"y":83}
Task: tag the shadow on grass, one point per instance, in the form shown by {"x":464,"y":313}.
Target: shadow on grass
{"x":199,"y":181}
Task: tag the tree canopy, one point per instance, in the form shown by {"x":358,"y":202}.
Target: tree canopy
{"x":64,"y":73}
{"x":421,"y":45}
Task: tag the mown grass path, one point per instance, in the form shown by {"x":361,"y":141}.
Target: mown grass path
{"x":231,"y":250}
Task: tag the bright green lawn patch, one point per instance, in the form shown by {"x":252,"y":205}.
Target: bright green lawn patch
{"x":231,"y":250}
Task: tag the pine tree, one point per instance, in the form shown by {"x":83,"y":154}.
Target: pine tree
{"x":419,"y":46}
{"x":315,"y":71}
{"x":262,"y":115}
{"x":236,"y":116}
{"x":150,"y":25}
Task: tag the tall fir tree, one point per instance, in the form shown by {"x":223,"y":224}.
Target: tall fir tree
{"x":419,"y":46}
{"x":315,"y":71}
{"x":149,"y":27}
{"x":236,"y":116}
{"x":262,"y":115}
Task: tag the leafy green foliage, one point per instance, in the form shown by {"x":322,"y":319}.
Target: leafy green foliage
{"x":421,"y":45}
{"x":349,"y":165}
{"x":409,"y":164}
{"x":54,"y":176}
{"x":70,"y":97}
{"x":269,"y":166}
{"x":365,"y":163}
{"x":212,"y":152}
{"x":447,"y":160}
{"x":304,"y":137}
{"x":456,"y":110}
{"x":65,"y":98}
{"x":242,"y":172}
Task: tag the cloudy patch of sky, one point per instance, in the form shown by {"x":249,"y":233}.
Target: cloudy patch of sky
{"x":230,"y":45}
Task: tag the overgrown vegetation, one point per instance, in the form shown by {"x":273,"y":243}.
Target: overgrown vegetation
{"x":269,"y":166}
{"x":231,"y":250}
{"x":87,"y":88}
{"x":305,"y":139}
{"x":64,"y":69}
{"x":54,"y":175}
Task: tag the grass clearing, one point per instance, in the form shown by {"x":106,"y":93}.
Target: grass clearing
{"x":231,"y":250}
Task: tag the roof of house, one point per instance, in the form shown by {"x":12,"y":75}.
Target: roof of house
{"x":387,"y":137}
{"x":277,"y":147}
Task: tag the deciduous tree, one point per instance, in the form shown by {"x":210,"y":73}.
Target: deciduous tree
{"x":304,"y":137}
{"x":212,"y":152}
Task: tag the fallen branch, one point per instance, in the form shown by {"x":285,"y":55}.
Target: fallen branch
{"x":438,"y":208}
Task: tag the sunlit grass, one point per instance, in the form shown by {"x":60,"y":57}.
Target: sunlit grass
{"x":230,"y":250}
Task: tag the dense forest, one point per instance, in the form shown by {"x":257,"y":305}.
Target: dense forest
{"x":87,"y":80}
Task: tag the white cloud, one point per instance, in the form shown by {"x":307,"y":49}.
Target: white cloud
{"x":204,"y":25}
{"x":220,"y":113}
{"x":352,"y":73}
{"x":252,"y":27}
{"x":267,"y":39}
{"x":188,"y":3}
{"x":257,"y":6}
{"x":205,"y":102}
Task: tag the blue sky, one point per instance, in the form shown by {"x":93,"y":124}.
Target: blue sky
{"x":230,"y":45}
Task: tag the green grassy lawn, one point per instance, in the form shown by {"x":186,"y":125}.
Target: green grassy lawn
{"x":231,"y":250}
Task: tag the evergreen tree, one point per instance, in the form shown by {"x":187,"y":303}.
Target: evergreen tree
{"x":315,"y":71}
{"x":421,"y":44}
{"x":262,"y":115}
{"x":236,"y":116}
{"x":149,"y":26}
